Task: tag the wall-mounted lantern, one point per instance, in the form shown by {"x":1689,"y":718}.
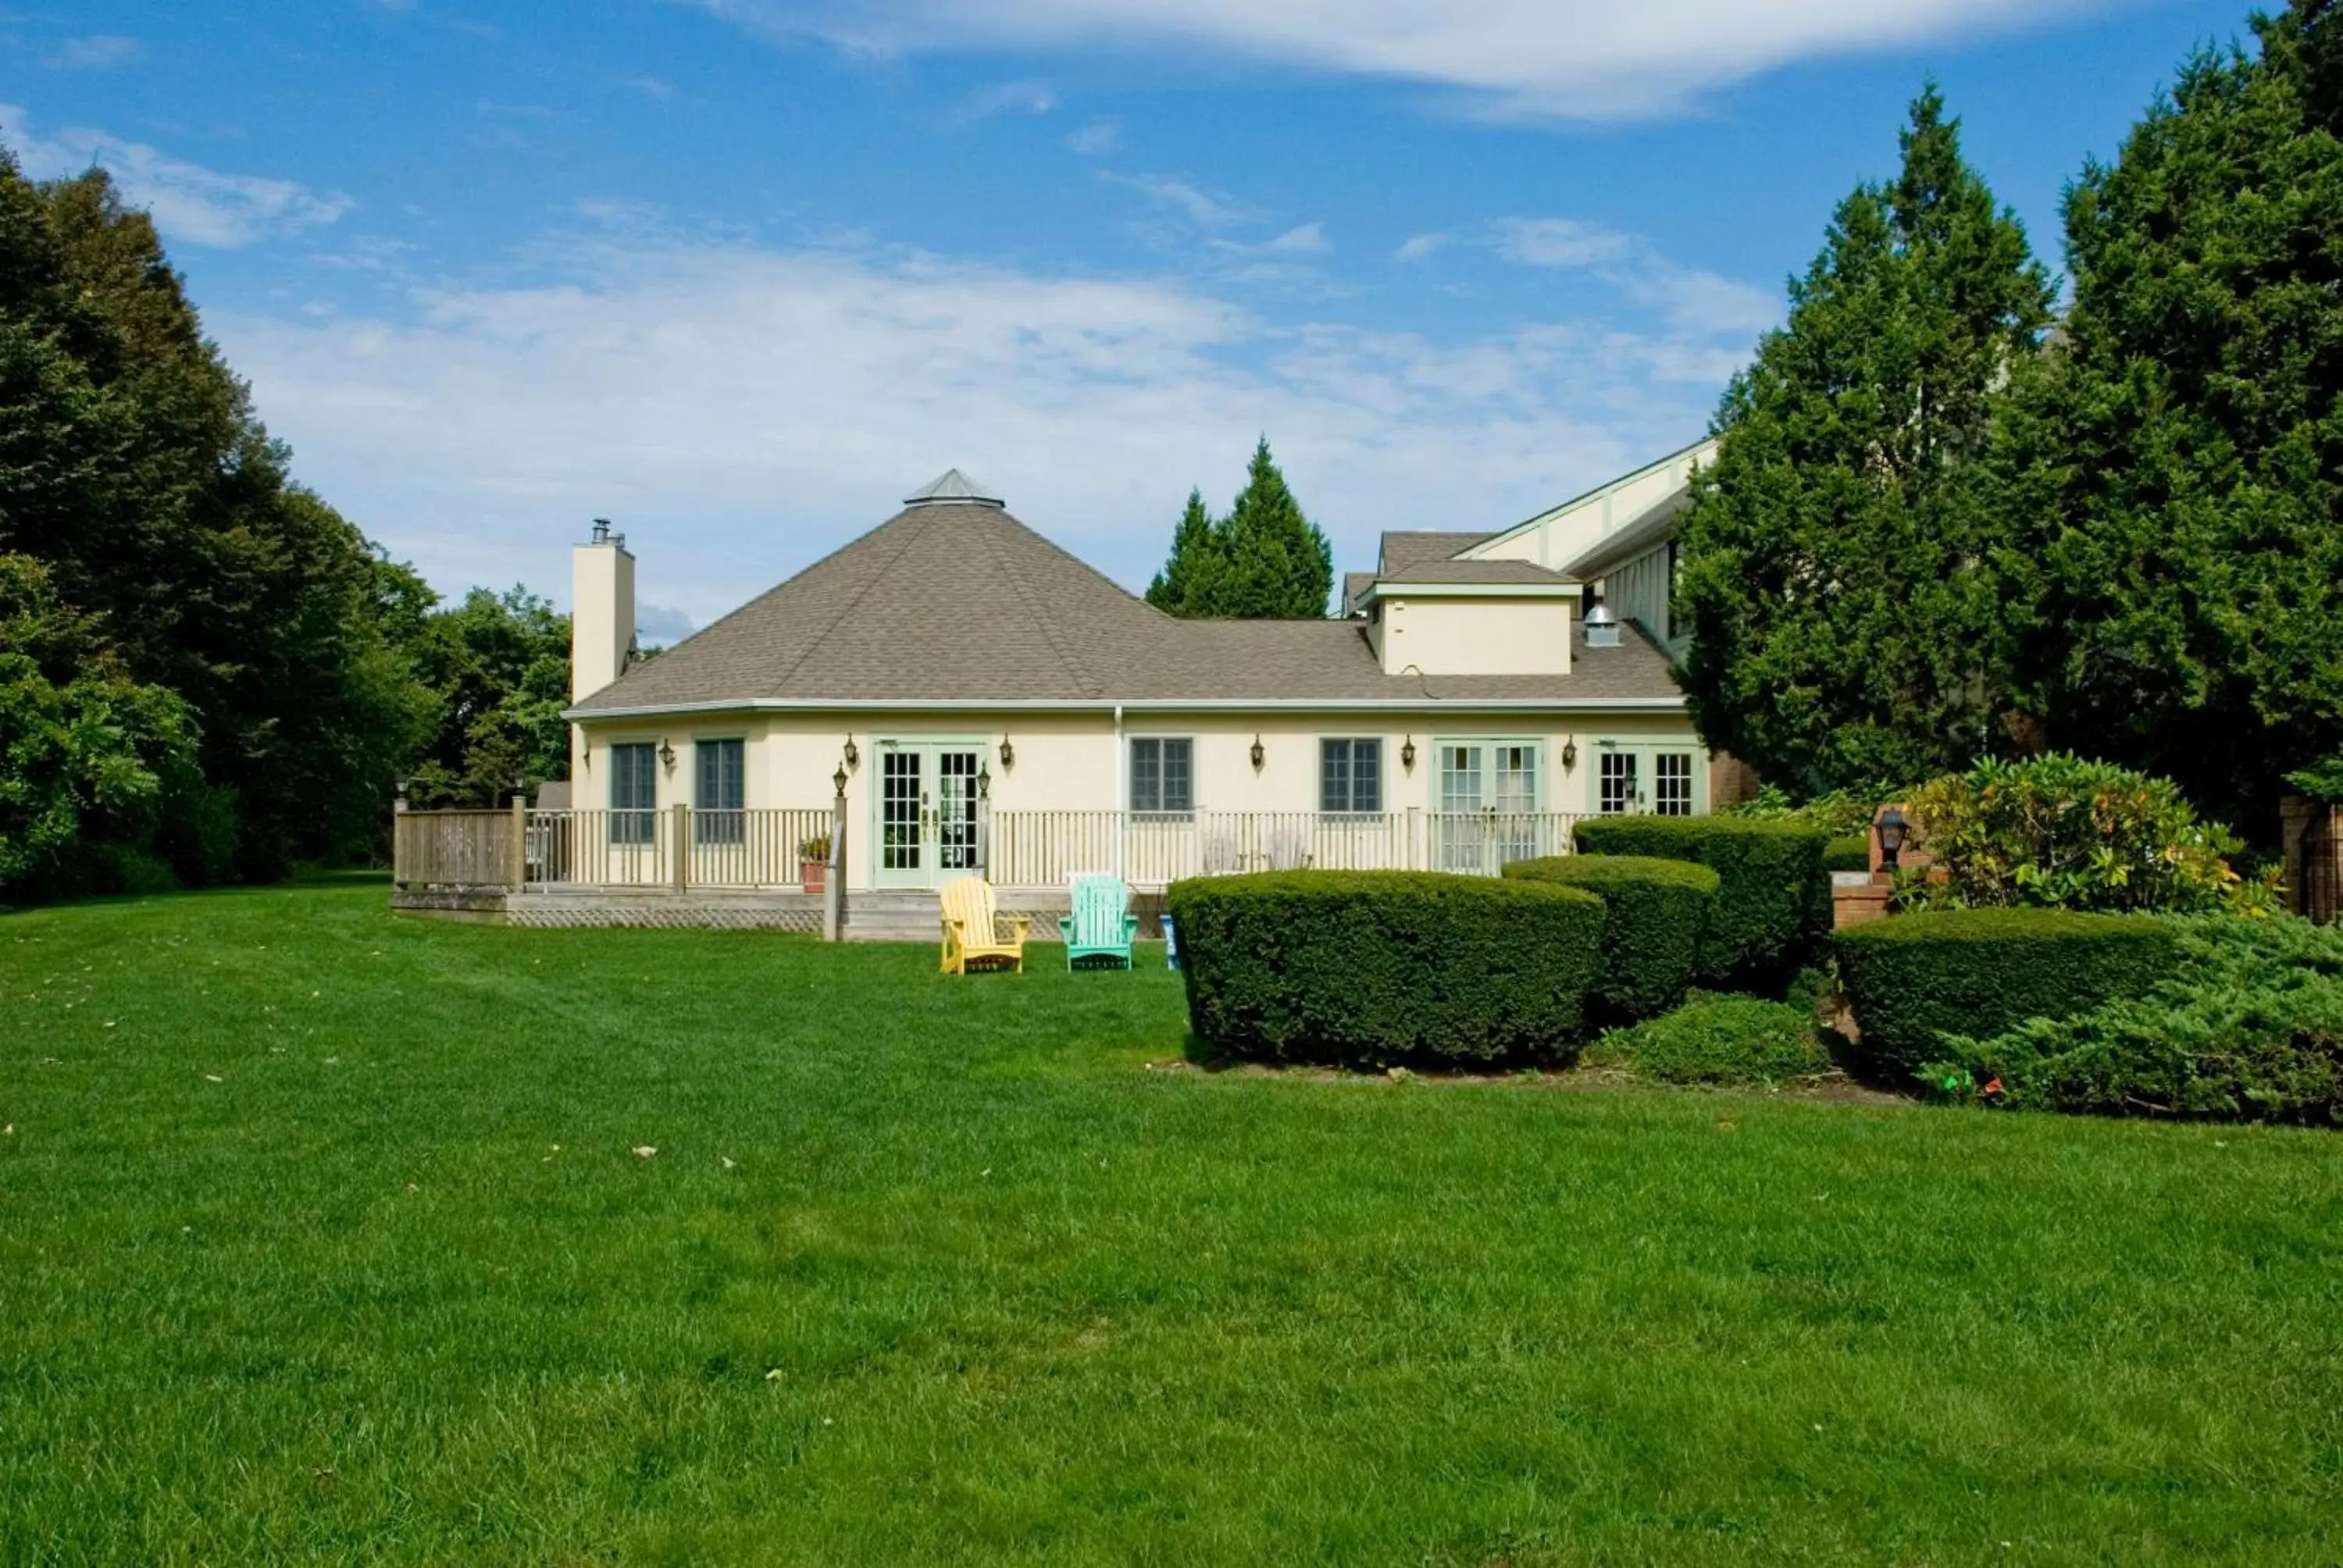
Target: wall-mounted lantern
{"x":1569,"y":752}
{"x":666,"y":755}
{"x":1259,"y":755}
{"x":1007,"y":755}
{"x":853,"y":754}
{"x":1892,"y":828}
{"x":1407,"y":754}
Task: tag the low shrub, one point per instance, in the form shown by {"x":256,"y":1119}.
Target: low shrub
{"x":1651,"y":942}
{"x":1837,"y":813}
{"x":2059,"y":832}
{"x":1729,"y":1040}
{"x":1773,"y":898}
{"x":2248,"y":1026}
{"x":1915,"y":979}
{"x":1382,"y":967}
{"x":1848,"y":852}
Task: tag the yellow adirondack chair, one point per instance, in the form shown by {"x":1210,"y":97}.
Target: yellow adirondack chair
{"x":972,"y":937}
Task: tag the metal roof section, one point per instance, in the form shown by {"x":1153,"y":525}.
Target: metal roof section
{"x":952,"y":488}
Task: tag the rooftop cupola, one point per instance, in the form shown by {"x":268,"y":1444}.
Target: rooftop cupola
{"x":951,"y":489}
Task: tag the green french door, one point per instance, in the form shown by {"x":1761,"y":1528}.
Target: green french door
{"x":924,"y":807}
{"x":1646,"y":779}
{"x":1486,"y":812}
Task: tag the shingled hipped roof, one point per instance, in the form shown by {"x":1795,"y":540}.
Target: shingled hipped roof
{"x":959,"y":602}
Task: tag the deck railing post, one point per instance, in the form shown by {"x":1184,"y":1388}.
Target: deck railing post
{"x":517,"y":864}
{"x":682,"y":839}
{"x":833,"y":881}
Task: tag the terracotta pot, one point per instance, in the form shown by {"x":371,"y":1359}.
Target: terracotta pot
{"x":814,"y":873}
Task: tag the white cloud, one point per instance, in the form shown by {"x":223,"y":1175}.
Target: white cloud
{"x":1419,"y":245}
{"x":1512,"y":58}
{"x":99,"y":52}
{"x":189,"y":203}
{"x":1559,"y":242}
{"x":651,"y":87}
{"x":1011,"y":98}
{"x":741,"y":411}
{"x":1308,"y":237}
{"x":1203,"y":209}
{"x":1096,"y":139}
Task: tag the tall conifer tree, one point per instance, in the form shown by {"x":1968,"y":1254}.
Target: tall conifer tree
{"x":1835,"y":566}
{"x":1266,"y":560}
{"x":2173,"y":472}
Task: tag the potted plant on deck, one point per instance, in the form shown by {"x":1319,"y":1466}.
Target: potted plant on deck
{"x":813,"y":862}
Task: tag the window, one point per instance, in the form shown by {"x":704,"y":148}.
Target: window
{"x":634,"y":793}
{"x":1163,"y":775}
{"x":1350,"y":775}
{"x":1671,"y":783}
{"x":719,"y":791}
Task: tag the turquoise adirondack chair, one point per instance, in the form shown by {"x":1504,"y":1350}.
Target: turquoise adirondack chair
{"x":1098,"y":933}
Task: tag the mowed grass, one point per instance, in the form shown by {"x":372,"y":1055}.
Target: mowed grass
{"x":321,"y":1238}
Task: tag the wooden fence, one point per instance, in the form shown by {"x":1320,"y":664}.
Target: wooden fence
{"x":457,"y":849}
{"x":2314,"y":858}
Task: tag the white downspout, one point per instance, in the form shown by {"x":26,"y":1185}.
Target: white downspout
{"x":1122,"y":789}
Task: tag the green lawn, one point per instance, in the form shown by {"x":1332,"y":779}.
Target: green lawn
{"x":321,"y":1238}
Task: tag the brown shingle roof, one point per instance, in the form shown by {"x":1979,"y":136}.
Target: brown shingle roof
{"x":1446,"y":572}
{"x":960,"y":603}
{"x":1402,"y":552}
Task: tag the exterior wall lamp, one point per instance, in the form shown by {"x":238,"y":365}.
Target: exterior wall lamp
{"x":666,"y":755}
{"x":1893,"y":825}
{"x":837,"y":780}
{"x":1259,"y":755}
{"x":1569,"y":752}
{"x":1407,"y":754}
{"x":1007,"y":755}
{"x":853,"y":755}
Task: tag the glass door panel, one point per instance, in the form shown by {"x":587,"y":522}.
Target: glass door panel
{"x":900,"y":798}
{"x":1513,"y":819}
{"x":1619,"y":782}
{"x":1456,"y":831}
{"x":953,"y":821}
{"x":1672,"y":794}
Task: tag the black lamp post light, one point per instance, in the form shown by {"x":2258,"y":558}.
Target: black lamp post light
{"x":837,"y":780}
{"x":1893,"y":829}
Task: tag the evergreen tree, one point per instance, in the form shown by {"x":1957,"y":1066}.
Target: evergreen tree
{"x":2174,"y":474}
{"x":1265,"y":560}
{"x":1835,"y":566}
{"x":1190,"y":580}
{"x":1280,"y":564}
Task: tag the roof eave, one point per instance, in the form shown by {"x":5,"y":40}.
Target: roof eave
{"x":1142,"y":704}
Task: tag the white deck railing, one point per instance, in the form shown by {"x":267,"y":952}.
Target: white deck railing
{"x":679,"y":848}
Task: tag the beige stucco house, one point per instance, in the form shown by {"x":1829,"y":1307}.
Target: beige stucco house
{"x":962,"y":695}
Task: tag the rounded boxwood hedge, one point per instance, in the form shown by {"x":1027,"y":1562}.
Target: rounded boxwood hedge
{"x":1848,"y":852}
{"x":1383,"y":967}
{"x":1659,"y":918}
{"x":1912,"y":980}
{"x":1773,"y":898}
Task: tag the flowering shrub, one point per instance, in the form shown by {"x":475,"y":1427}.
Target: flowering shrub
{"x":2059,"y":832}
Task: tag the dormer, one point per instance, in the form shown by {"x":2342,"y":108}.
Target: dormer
{"x":1471,"y":618}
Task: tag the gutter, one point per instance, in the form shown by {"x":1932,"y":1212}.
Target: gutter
{"x":1153,"y":704}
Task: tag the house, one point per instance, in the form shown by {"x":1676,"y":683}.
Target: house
{"x":953,"y":694}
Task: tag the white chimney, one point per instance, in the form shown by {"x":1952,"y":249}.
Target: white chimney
{"x":601,"y":632}
{"x":601,"y":611}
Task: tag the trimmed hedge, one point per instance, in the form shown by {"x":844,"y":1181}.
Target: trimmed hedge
{"x":1915,"y":979}
{"x":1773,"y":898}
{"x":1382,"y":967}
{"x":1848,"y":852}
{"x":1659,"y":918}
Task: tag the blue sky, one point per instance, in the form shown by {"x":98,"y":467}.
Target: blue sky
{"x":738,"y":273}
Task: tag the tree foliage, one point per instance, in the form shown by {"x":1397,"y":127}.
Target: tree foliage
{"x":2174,"y":475}
{"x":1834,"y":555}
{"x":1266,"y":560}
{"x":497,"y":668}
{"x":133,"y":471}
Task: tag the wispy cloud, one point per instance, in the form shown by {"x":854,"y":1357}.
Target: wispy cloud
{"x":1308,"y":237}
{"x":660,"y":378}
{"x":1011,"y":98}
{"x":99,"y":51}
{"x":1096,"y":139}
{"x":651,"y":87}
{"x":1691,"y":301}
{"x":189,"y":202}
{"x":1523,"y":59}
{"x":1203,"y":209}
